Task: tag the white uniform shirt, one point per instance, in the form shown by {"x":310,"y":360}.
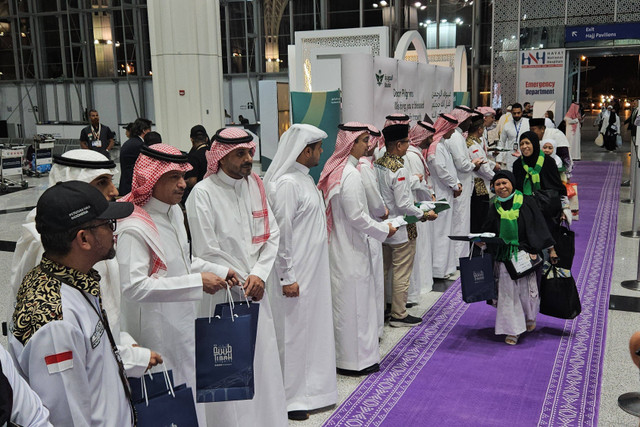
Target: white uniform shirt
{"x":510,"y":139}
{"x":69,"y":361}
{"x":395,"y":190}
{"x":27,"y":407}
{"x":28,"y":254}
{"x":376,"y":206}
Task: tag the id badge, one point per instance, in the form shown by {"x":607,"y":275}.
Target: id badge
{"x":97,"y":143}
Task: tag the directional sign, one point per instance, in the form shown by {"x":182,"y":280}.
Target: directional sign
{"x":602,"y":32}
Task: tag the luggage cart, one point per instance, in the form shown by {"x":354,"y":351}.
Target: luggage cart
{"x":11,"y":165}
{"x":40,"y":155}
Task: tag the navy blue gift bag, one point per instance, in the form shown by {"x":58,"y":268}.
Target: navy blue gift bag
{"x":225,"y":348}
{"x":476,"y":276}
{"x":174,"y":408}
{"x":157,"y":384}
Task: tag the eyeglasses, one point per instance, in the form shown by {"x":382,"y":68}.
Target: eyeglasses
{"x":112,"y":223}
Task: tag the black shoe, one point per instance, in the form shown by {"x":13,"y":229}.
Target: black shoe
{"x":407,"y":322}
{"x":298,"y":415}
{"x":366,"y":371}
{"x":411,"y":304}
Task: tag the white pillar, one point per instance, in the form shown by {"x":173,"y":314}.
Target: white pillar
{"x":186,"y":58}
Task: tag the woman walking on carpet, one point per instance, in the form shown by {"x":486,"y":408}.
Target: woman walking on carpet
{"x":518,"y":221}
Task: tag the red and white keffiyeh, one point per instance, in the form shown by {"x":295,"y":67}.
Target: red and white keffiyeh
{"x":573,"y":113}
{"x":259,"y":206}
{"x":443,"y":125}
{"x":331,"y":176}
{"x":391,"y":119}
{"x":417,"y":134}
{"x":487,"y":111}
{"x":146,"y":173}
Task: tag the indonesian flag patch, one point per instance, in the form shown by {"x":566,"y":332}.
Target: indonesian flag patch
{"x":59,"y":362}
{"x":401,"y":178}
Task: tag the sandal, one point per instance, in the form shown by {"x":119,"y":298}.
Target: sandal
{"x":511,"y":339}
{"x":531,"y":325}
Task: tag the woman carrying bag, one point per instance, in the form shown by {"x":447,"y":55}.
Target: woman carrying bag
{"x":517,"y":220}
{"x":537,"y":175}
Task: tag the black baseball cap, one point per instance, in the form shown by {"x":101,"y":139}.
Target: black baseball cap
{"x":70,"y":204}
{"x":198,"y":130}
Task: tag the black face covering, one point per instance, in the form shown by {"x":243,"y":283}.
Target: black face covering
{"x":531,"y":136}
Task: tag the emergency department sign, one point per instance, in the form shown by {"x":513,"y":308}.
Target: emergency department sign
{"x":541,"y":76}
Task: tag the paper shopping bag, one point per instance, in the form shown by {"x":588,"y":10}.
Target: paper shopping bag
{"x":167,"y":409}
{"x":225,"y":349}
{"x":476,"y":276}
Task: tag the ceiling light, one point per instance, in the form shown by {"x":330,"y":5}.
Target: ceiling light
{"x":375,"y":5}
{"x":443,"y":20}
{"x":428,"y":21}
{"x":109,"y":42}
{"x":423,"y":7}
{"x":96,"y":41}
{"x":383,"y":3}
{"x":457,"y":20}
{"x":417,"y":4}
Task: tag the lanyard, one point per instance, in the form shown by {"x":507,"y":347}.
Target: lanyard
{"x":96,"y":136}
{"x":515,"y":144}
{"x":102,"y":316}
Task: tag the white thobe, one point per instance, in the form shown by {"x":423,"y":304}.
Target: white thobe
{"x":28,"y":409}
{"x":86,"y":389}
{"x":573,"y":136}
{"x":304,"y":324}
{"x":422,"y":274}
{"x":222,"y":226}
{"x":376,"y":210}
{"x":354,"y":299}
{"x":160,"y":312}
{"x":28,"y":254}
{"x":461,"y":219}
{"x":510,"y":139}
{"x":445,"y":180}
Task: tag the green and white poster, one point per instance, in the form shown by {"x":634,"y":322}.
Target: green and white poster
{"x":320,"y":109}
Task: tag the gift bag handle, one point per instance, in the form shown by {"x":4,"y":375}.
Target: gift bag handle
{"x":167,"y":381}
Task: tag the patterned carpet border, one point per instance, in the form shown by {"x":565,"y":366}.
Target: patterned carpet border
{"x":573,"y":394}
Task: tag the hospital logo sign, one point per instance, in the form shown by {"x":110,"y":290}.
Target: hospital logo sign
{"x":382,"y":78}
{"x":542,"y":58}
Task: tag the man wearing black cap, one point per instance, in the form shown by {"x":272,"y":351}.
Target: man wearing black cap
{"x":197,"y":158}
{"x":399,"y":250}
{"x":60,"y":334}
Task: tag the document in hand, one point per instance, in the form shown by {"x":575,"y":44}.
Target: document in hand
{"x":441,"y":205}
{"x":399,"y":221}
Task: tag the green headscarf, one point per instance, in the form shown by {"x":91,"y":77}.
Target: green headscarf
{"x":509,"y":227}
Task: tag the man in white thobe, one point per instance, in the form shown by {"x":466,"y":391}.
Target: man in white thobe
{"x":420,"y":137}
{"x":93,"y":168}
{"x":300,"y":286}
{"x":446,"y":185}
{"x":378,"y":211}
{"x":348,"y":223}
{"x":232,"y":224}
{"x":510,"y":137}
{"x":161,"y":283}
{"x":457,"y":146}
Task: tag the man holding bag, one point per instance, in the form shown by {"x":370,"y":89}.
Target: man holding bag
{"x":160,"y":281}
{"x":231,"y":223}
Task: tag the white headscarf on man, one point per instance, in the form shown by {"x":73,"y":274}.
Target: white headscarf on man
{"x":291,"y":144}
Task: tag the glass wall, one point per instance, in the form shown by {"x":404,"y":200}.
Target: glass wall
{"x":89,"y":39}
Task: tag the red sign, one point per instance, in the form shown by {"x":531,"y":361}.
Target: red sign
{"x":181,"y":92}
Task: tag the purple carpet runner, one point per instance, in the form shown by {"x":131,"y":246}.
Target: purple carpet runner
{"x":454,"y":371}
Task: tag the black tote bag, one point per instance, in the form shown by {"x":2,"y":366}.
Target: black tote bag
{"x":565,"y":247}
{"x":559,"y":295}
